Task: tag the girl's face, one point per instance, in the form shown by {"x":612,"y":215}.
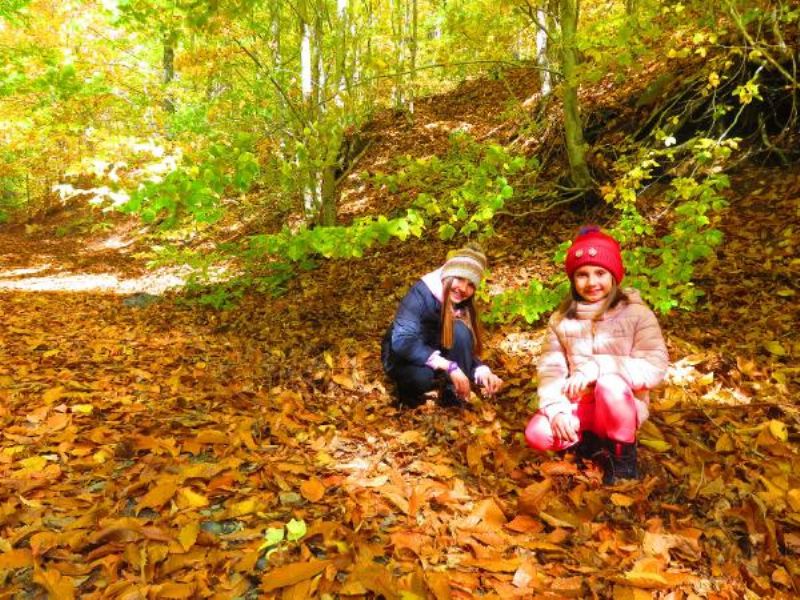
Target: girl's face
{"x":592,"y":283}
{"x":460,"y":290}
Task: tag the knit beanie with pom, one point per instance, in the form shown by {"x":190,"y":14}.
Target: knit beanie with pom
{"x":467,"y":263}
{"x":593,"y":247}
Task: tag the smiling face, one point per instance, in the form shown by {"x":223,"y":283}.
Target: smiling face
{"x":460,"y":290}
{"x":592,"y":283}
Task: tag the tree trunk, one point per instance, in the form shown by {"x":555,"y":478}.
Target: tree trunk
{"x":397,"y":17}
{"x":542,"y":48}
{"x":413,"y":56}
{"x":573,"y":129}
{"x":168,"y":63}
{"x":328,"y":208}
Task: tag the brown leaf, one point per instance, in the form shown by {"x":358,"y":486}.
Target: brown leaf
{"x":532,"y":497}
{"x":16,"y":559}
{"x":292,"y":574}
{"x":312,"y":489}
{"x":174,"y":591}
{"x":57,"y":585}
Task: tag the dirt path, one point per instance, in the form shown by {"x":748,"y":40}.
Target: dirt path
{"x":146,"y":449}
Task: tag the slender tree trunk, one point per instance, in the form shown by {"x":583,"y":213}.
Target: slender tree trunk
{"x":168,"y":64}
{"x":573,"y":129}
{"x":412,"y":93}
{"x":542,"y":48}
{"x":310,"y":196}
{"x":396,"y":8}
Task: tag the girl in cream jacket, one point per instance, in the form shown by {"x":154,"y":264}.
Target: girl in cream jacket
{"x":604,"y":352}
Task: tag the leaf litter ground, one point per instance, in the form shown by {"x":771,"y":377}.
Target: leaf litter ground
{"x":148,"y":446}
{"x":146,"y":450}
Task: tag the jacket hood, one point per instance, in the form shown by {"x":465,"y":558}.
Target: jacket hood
{"x":433,"y":281}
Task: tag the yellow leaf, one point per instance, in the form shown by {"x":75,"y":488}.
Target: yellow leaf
{"x":52,"y":395}
{"x":725,"y":444}
{"x":188,"y":535}
{"x":83,"y":409}
{"x":323,"y":459}
{"x":328,"y":359}
{"x":793,"y":496}
{"x":312,"y":490}
{"x":656,"y":445}
{"x":100,"y":456}
{"x":344,"y":381}
{"x":158,"y":495}
{"x":621,"y":500}
{"x":779,"y":430}
{"x":775,"y":348}
{"x":245,"y":507}
{"x":187,"y":497}
{"x":33,"y":463}
{"x":646,"y":573}
{"x":50,"y":353}
{"x":707,"y":379}
{"x":785,"y":292}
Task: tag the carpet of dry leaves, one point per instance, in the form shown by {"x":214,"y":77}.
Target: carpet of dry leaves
{"x":146,"y":449}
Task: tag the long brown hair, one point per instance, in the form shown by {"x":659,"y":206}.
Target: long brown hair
{"x":448,"y":318}
{"x":568,"y":309}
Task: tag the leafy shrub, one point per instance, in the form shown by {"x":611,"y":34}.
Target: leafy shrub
{"x":662,"y":272}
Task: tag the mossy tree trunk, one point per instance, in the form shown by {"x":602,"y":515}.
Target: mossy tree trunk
{"x":573,"y":128}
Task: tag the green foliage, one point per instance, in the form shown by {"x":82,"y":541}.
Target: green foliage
{"x":196,"y":188}
{"x":660,"y":268}
{"x":277,"y":538}
{"x":463,"y":191}
{"x":530,"y":302}
{"x":9,"y":8}
{"x":335,"y":242}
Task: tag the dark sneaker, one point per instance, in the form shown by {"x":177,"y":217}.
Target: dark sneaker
{"x":589,"y":445}
{"x":408,"y":401}
{"x":619,"y":462}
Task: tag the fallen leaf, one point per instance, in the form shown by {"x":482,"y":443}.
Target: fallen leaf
{"x":312,"y":489}
{"x":16,"y":559}
{"x":291,"y":574}
{"x":188,"y":535}
{"x":161,"y":493}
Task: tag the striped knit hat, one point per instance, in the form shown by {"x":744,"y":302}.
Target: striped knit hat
{"x":467,"y":263}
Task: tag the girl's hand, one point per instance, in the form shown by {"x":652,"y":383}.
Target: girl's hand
{"x":575,"y":385}
{"x":564,"y":428}
{"x":461,"y":383}
{"x":491,"y":383}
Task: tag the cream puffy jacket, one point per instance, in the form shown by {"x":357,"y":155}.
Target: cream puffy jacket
{"x":626,"y":341}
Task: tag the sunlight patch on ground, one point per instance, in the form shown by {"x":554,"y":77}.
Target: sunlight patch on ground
{"x":114,"y":243}
{"x":21,"y":272}
{"x":523,"y":343}
{"x":155,"y":283}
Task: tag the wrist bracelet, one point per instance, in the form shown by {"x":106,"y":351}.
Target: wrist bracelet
{"x":452,"y":366}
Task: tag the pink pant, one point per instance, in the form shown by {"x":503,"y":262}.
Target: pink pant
{"x":610,"y":412}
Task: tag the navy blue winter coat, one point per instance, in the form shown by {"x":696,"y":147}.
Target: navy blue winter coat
{"x":415,"y":333}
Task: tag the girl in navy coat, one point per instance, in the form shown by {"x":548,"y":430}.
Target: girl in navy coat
{"x":435,"y":336}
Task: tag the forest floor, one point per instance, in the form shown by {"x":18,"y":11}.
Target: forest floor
{"x":147,"y":445}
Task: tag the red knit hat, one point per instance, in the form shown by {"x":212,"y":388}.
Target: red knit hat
{"x":593,"y":247}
